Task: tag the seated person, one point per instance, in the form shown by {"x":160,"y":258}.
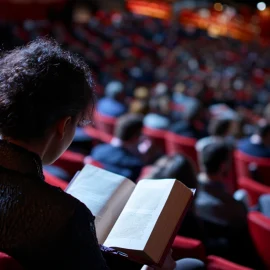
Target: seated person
{"x":158,"y":118}
{"x":113,"y":103}
{"x":190,"y":125}
{"x":121,"y":156}
{"x":219,"y":131}
{"x":258,"y":145}
{"x":41,"y":226}
{"x":181,"y":168}
{"x":224,"y":218}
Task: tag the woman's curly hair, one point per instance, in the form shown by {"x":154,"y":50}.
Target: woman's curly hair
{"x":39,"y":84}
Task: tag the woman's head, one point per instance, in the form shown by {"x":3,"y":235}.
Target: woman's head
{"x":176,"y":166}
{"x":44,"y":93}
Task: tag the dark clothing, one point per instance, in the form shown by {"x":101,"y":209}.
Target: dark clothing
{"x":225,"y":224}
{"x":118,"y":160}
{"x":41,"y":226}
{"x":214,"y":204}
{"x":185,"y":129}
{"x":256,"y":150}
{"x":110,"y":107}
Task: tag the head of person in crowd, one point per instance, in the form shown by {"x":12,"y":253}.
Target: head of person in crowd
{"x":263,"y":130}
{"x":128,"y":129}
{"x":220,"y":127}
{"x":216,"y":161}
{"x":138,"y":106}
{"x":115,"y":90}
{"x":142,"y":93}
{"x":175,"y":166}
{"x":160,"y":105}
{"x":46,"y":93}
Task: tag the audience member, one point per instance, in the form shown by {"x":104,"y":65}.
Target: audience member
{"x":258,"y":145}
{"x":224,"y":218}
{"x":190,"y":126}
{"x":158,"y":118}
{"x":113,"y":103}
{"x":121,"y":156}
{"x":41,"y":226}
{"x":219,"y":131}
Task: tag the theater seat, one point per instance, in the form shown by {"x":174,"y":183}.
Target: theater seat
{"x":104,"y":123}
{"x":259,"y":227}
{"x":242,"y":162}
{"x":54,"y":181}
{"x":253,"y":188}
{"x":8,"y":263}
{"x":188,"y":248}
{"x":91,"y":161}
{"x":71,"y":162}
{"x":157,"y":136}
{"x":217,"y":263}
{"x":178,"y":144}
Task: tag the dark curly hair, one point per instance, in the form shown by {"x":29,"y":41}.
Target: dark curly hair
{"x":39,"y":84}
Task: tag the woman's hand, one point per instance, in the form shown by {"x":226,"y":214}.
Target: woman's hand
{"x":169,"y":264}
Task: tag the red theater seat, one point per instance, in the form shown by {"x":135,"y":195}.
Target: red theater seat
{"x":8,"y":263}
{"x":70,"y":162}
{"x":254,"y":189}
{"x":54,"y":181}
{"x":188,"y":248}
{"x":242,"y":162}
{"x":104,"y":123}
{"x":259,"y":227}
{"x":98,"y":134}
{"x":183,"y":145}
{"x":217,"y":263}
{"x":157,"y":136}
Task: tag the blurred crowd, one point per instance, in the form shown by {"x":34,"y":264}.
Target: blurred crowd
{"x":166,"y":76}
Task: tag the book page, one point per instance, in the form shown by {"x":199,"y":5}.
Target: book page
{"x":137,"y":220}
{"x":104,"y":193}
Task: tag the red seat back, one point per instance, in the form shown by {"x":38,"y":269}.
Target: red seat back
{"x":259,"y":227}
{"x":8,"y":263}
{"x":104,"y":123}
{"x":54,"y":181}
{"x":217,"y":263}
{"x":188,"y":248}
{"x":183,"y":145}
{"x":70,"y":162}
{"x":98,"y":134}
{"x":242,"y":162}
{"x":254,"y":189}
{"x":91,"y":161}
{"x":157,"y":136}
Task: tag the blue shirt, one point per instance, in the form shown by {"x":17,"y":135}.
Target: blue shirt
{"x":111,"y":107}
{"x":253,"y":149}
{"x":118,"y":160}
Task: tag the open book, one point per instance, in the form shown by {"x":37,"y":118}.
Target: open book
{"x":139,"y":220}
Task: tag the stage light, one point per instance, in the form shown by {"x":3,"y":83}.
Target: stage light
{"x":261,"y":6}
{"x":218,"y":6}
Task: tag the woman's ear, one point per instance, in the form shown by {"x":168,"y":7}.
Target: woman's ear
{"x":62,"y":126}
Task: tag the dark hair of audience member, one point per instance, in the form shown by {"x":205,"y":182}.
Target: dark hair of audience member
{"x":263,"y":130}
{"x":40,"y":84}
{"x":219,"y":127}
{"x":193,"y":112}
{"x":176,"y":166}
{"x":213,"y":156}
{"x":128,"y":127}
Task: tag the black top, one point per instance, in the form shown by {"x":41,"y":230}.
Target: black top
{"x":41,"y":226}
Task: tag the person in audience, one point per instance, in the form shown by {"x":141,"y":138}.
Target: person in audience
{"x":45,"y":93}
{"x":179,"y":167}
{"x":158,"y":118}
{"x":258,"y":145}
{"x":224,"y":218}
{"x":219,"y":131}
{"x":190,"y":126}
{"x":121,"y":156}
{"x":113,"y":104}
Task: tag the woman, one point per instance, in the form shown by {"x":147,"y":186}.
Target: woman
{"x":45,"y":93}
